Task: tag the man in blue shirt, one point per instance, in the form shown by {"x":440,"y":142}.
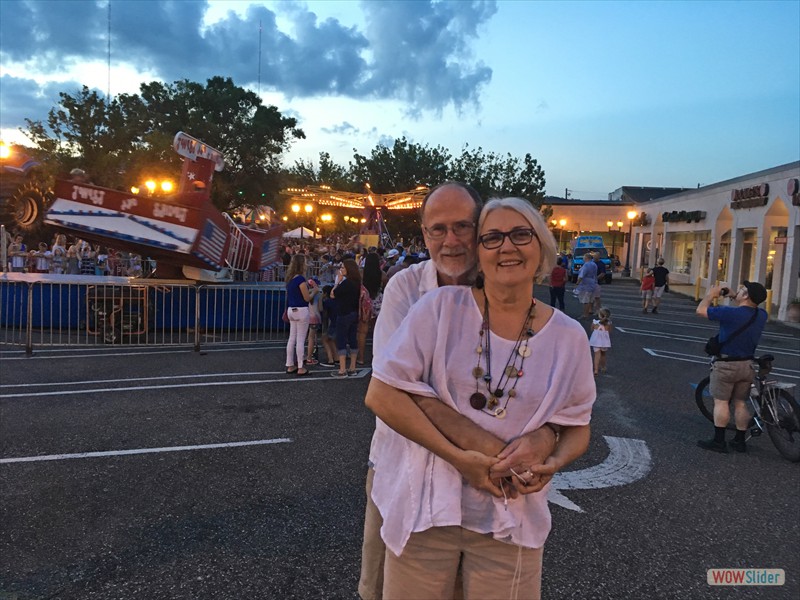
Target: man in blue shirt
{"x":732,"y":371}
{"x":587,"y":282}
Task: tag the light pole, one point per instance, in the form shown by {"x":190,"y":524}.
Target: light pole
{"x":613,"y":231}
{"x":561,"y":224}
{"x":325,"y":218}
{"x":296,"y":211}
{"x":309,"y":208}
{"x":632,"y":214}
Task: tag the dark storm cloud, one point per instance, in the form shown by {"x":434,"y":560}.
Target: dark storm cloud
{"x":416,"y":52}
{"x":421,"y":51}
{"x":24,"y":98}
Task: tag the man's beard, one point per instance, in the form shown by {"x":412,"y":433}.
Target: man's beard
{"x":446,"y":266}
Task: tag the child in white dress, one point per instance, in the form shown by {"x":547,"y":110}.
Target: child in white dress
{"x":600,"y":340}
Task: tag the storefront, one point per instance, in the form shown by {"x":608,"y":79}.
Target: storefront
{"x":741,"y":229}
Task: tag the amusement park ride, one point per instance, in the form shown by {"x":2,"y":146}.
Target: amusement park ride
{"x":371,"y":203}
{"x":183,"y":231}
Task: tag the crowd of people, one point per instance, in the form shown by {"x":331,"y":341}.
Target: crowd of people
{"x":339,"y":304}
{"x":71,"y":257}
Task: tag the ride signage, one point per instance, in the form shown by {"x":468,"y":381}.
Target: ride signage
{"x":192,"y":148}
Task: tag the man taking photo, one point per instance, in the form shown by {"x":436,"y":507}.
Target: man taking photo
{"x":732,"y":372}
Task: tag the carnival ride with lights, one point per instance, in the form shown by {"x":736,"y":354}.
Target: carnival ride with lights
{"x":182,"y":231}
{"x":373,"y":225}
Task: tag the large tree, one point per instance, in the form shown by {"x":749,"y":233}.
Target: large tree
{"x":401,"y":167}
{"x":494,"y":175}
{"x":121,"y":141}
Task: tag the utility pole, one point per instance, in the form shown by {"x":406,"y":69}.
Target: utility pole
{"x":566,"y":194}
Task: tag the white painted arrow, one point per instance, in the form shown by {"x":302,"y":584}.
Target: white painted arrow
{"x":628,"y":461}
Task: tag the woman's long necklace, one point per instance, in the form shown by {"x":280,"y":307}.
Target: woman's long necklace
{"x":512,"y":372}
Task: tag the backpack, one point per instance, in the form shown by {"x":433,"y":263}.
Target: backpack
{"x":364,"y":306}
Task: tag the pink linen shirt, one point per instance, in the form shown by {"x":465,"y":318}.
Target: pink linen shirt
{"x":433,"y":354}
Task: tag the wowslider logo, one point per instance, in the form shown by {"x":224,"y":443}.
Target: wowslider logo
{"x":745,"y":577}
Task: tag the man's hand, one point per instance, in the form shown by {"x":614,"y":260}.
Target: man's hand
{"x":531,"y":449}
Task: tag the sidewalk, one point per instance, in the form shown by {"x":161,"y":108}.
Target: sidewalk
{"x":687,"y":291}
{"x":682,"y":289}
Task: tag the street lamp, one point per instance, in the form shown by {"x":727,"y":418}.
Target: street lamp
{"x":296,"y":210}
{"x":613,"y":231}
{"x":632,"y":214}
{"x":560,"y":224}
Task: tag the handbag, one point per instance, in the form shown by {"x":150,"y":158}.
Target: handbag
{"x":714,"y":345}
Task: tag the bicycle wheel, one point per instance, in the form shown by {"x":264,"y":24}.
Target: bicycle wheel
{"x":785,"y":434}
{"x":704,"y":400}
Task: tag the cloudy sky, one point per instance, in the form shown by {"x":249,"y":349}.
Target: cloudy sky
{"x":603,"y":94}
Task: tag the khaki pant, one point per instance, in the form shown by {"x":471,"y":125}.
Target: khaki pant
{"x":490,"y":569}
{"x":370,"y":585}
{"x":373,"y":553}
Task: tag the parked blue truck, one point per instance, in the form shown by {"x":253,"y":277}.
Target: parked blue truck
{"x":588,"y":243}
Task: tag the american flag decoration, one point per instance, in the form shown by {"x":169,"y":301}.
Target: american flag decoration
{"x":269,"y":249}
{"x":212,"y":243}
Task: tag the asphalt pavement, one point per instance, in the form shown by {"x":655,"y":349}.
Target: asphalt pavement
{"x":165,"y":473}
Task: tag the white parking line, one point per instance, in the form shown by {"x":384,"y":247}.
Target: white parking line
{"x":142,"y":451}
{"x":687,"y":338}
{"x":170,"y":377}
{"x":325,"y":375}
{"x":778,"y":372}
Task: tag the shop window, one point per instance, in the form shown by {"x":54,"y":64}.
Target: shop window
{"x":749,"y":249}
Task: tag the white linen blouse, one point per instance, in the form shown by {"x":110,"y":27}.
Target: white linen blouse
{"x":433,"y":354}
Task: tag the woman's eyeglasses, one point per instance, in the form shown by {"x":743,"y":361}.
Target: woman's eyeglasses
{"x":495,"y":239}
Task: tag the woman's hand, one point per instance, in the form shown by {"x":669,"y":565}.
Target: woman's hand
{"x":521,"y":455}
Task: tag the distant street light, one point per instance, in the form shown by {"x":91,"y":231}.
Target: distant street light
{"x":610,"y":225}
{"x":561,"y":224}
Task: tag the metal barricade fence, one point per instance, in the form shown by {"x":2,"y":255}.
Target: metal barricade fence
{"x":44,"y":311}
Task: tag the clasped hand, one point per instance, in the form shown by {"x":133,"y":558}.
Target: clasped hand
{"x":524,"y":466}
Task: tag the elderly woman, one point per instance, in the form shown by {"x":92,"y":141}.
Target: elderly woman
{"x":511,"y":366}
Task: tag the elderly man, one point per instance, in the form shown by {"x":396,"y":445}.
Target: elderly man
{"x":449,"y":216}
{"x":586,"y":284}
{"x":732,"y":373}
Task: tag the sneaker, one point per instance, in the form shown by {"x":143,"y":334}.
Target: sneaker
{"x":739,"y":446}
{"x":655,"y":310}
{"x":326,"y":364}
{"x":338,"y":375}
{"x":713,"y":445}
{"x":352,"y":372}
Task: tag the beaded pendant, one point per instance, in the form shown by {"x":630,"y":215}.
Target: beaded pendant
{"x":512,"y":371}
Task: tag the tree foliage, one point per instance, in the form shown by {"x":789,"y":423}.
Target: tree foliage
{"x":493,"y":175}
{"x":121,"y":141}
{"x":402,"y":167}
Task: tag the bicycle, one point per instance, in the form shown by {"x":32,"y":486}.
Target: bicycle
{"x":774,"y":409}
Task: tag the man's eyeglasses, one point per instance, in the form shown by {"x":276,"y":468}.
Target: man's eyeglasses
{"x":461,"y":229}
{"x":518,"y":237}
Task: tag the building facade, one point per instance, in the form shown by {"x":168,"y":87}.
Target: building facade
{"x":744,"y":228}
